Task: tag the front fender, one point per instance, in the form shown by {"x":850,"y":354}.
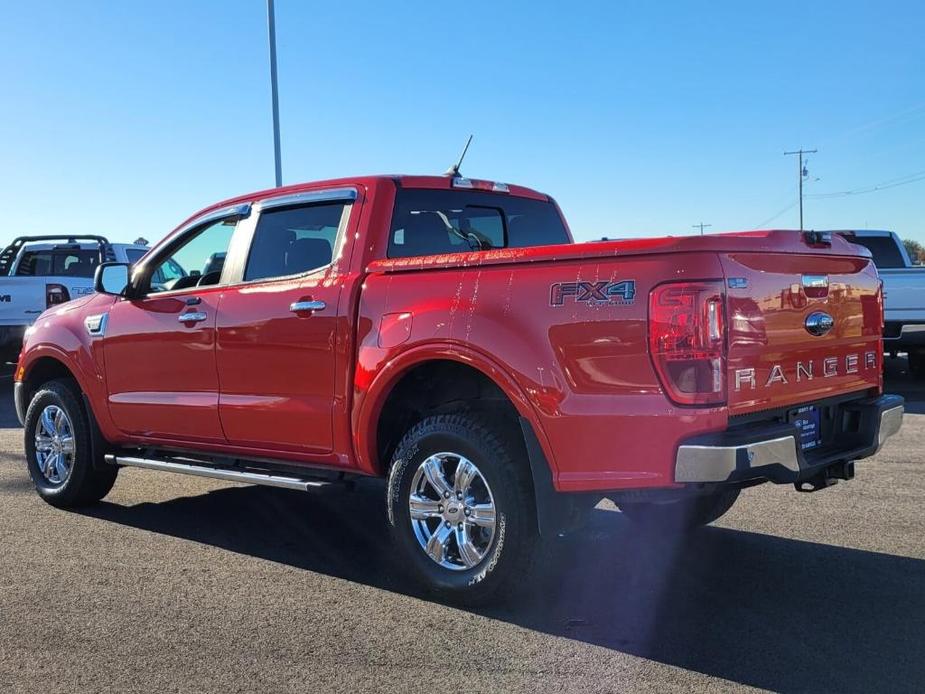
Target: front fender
{"x":61,"y":335}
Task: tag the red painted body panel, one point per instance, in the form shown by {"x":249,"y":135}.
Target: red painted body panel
{"x":584,"y":371}
{"x":277,"y":368}
{"x":160,"y":373}
{"x":255,"y":379}
{"x":767,"y":328}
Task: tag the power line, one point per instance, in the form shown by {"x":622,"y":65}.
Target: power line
{"x":801,"y":173}
{"x":775,"y":216}
{"x":885,"y":185}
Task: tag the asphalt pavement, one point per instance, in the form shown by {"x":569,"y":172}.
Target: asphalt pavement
{"x":178,"y":584}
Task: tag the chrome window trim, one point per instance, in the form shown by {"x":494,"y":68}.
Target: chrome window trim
{"x":241,"y":210}
{"x":346,"y":195}
{"x":307,"y":198}
{"x":251,"y":213}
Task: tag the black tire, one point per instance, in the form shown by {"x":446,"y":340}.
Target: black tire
{"x":682,"y":515}
{"x":498,"y":455}
{"x":917,"y":363}
{"x":89,"y":480}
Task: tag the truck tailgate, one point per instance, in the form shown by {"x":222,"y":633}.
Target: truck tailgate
{"x":801,"y":327}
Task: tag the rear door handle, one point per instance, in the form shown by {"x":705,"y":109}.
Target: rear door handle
{"x":307,"y":306}
{"x":192,"y":317}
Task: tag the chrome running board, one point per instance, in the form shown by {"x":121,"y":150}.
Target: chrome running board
{"x":247,"y":477}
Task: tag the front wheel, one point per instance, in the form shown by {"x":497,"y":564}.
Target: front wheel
{"x":681,"y":515}
{"x":59,"y":449}
{"x":461,"y":509}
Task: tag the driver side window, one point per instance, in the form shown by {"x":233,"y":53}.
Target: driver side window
{"x":198,"y":262}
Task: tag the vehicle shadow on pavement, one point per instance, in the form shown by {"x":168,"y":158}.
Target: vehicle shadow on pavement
{"x":765,"y":611}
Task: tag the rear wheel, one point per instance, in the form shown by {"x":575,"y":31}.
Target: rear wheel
{"x":461,"y":508}
{"x":59,"y":450}
{"x":681,"y":515}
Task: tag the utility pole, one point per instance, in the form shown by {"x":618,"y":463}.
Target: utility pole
{"x":800,"y":174}
{"x":701,"y":227}
{"x":271,"y":28}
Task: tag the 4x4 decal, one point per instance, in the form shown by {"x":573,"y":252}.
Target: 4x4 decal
{"x":598,"y":292}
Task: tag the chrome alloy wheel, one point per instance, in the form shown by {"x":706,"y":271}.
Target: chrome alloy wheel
{"x":452,"y":511}
{"x":54,"y":445}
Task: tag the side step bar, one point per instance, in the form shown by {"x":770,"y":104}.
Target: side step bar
{"x":247,"y":477}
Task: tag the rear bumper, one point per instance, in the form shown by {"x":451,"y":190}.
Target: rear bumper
{"x":772,"y":451}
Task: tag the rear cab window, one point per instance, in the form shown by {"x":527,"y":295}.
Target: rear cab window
{"x":883,"y":249}
{"x":58,"y":262}
{"x":431,"y":222}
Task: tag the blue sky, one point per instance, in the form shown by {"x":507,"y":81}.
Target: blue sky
{"x":641,"y":118}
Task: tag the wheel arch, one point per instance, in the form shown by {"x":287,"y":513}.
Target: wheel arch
{"x":399,"y":374}
{"x":45,"y":367}
{"x":47,"y":364}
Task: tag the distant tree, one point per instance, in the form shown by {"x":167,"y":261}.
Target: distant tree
{"x":915,"y":250}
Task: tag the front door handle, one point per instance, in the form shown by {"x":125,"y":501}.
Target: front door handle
{"x":192,"y":317}
{"x":306,"y":306}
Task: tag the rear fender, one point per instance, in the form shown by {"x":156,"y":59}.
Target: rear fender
{"x":371,"y":399}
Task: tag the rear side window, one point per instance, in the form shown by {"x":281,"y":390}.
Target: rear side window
{"x":59,"y":263}
{"x":291,"y":241}
{"x":883,"y":248}
{"x":429,"y":222}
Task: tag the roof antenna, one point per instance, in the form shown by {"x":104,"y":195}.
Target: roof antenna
{"x":454,"y":170}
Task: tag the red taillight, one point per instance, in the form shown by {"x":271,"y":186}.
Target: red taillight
{"x":56,"y":294}
{"x":687,"y":341}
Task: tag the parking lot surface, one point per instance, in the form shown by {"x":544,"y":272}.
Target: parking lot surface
{"x":179,"y":584}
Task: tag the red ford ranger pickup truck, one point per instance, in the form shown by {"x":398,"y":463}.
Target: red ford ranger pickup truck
{"x":446,"y":334}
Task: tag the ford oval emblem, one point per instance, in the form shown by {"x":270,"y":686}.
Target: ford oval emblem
{"x":819,"y":323}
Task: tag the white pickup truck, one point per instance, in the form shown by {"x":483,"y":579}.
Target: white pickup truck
{"x":904,"y":292}
{"x":37,"y":272}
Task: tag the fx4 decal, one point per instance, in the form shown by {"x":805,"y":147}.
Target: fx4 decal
{"x":603,"y":292}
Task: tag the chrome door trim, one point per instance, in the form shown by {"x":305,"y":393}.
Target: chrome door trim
{"x":192,"y":317}
{"x":298,"y":306}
